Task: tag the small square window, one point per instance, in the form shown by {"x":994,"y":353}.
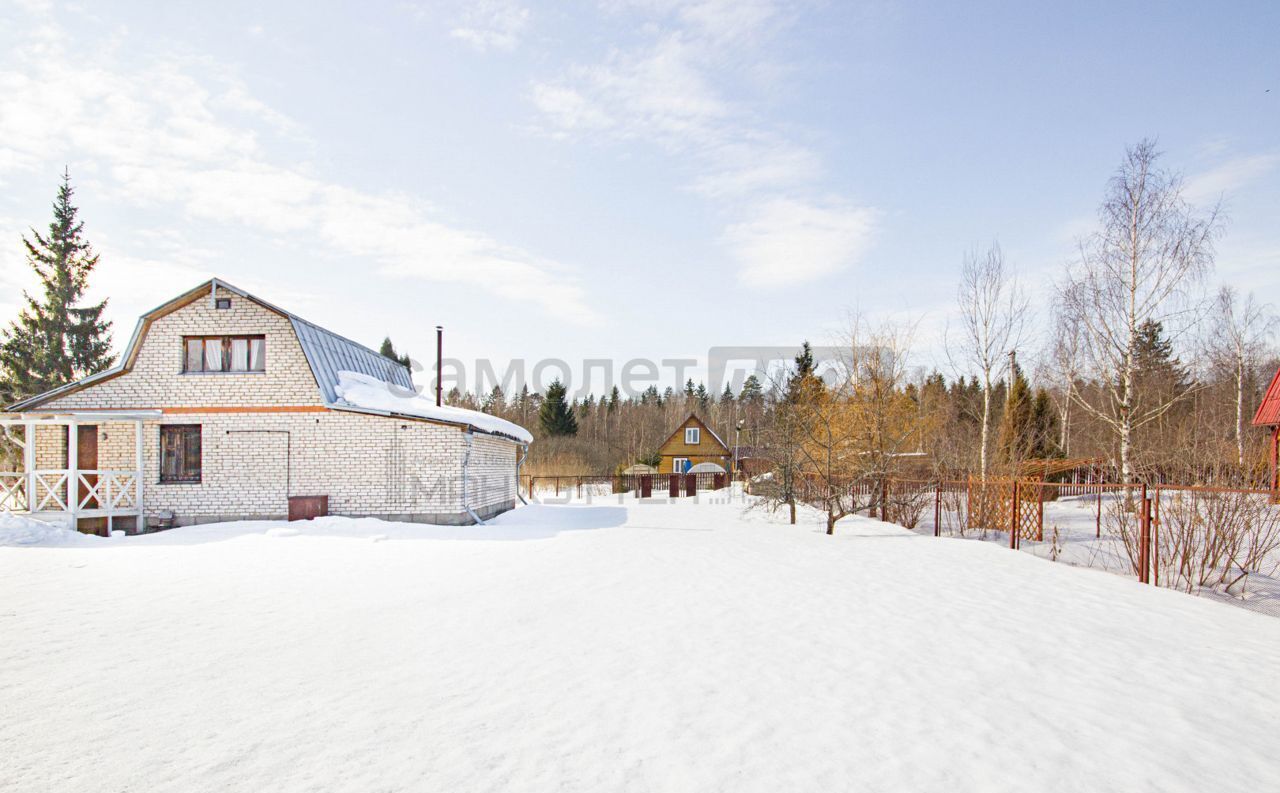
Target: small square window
{"x":222,"y":303}
{"x":692,"y":436}
{"x":180,"y":453}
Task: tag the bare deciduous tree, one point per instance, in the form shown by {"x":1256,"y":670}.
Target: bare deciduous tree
{"x":1062,"y":367}
{"x":993,"y":314}
{"x":1240,"y":332}
{"x":1140,"y":266}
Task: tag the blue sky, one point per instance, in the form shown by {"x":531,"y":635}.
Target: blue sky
{"x":619,"y":179}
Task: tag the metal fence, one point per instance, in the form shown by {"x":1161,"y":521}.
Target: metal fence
{"x":1217,"y":542}
{"x":638,"y":485}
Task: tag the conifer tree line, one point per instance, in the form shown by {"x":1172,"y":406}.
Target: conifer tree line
{"x":1142,"y":368}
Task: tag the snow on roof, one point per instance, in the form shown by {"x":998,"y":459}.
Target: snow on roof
{"x":371,"y":393}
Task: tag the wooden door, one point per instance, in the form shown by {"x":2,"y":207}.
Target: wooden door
{"x":87,"y":460}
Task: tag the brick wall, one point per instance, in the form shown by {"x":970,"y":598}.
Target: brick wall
{"x":252,"y":461}
{"x":157,"y":379}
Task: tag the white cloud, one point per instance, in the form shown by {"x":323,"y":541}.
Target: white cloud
{"x":667,"y":92}
{"x":491,"y":24}
{"x":163,"y":136}
{"x":1231,"y":175}
{"x":744,"y":167}
{"x":785,"y":241}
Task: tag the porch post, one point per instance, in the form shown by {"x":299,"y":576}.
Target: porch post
{"x":29,"y":463}
{"x":139,"y":527}
{"x":73,"y":473}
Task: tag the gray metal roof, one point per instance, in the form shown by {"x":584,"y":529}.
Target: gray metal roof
{"x":328,"y":353}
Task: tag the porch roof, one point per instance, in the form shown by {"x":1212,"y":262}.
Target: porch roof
{"x":78,"y":416}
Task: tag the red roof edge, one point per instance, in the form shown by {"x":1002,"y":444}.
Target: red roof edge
{"x":1269,"y":411}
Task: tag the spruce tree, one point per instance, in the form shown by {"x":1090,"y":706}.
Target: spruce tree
{"x":55,"y":340}
{"x":389,"y":350}
{"x":494,"y":402}
{"x":1017,"y":426}
{"x":803,"y":385}
{"x":555,"y":415}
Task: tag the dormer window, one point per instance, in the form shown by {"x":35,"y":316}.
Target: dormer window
{"x":692,"y":436}
{"x":206,"y":354}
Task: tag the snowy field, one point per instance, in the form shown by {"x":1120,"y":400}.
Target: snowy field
{"x":1072,"y":536}
{"x":614,"y":647}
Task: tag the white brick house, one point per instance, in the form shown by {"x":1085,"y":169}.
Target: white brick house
{"x":224,"y":407}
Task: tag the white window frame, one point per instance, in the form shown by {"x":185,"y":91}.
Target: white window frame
{"x":695,"y":433}
{"x":677,"y":466}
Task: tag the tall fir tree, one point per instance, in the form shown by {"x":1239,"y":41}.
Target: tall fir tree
{"x":803,"y":385}
{"x":1017,"y":428}
{"x":556,"y":415}
{"x":389,"y":350}
{"x":56,"y":340}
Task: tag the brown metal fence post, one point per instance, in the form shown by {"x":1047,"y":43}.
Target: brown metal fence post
{"x":1097,"y":529}
{"x":1040,"y":512}
{"x":1013,"y":516}
{"x":937,"y":509}
{"x":1144,"y":538}
{"x":1155,"y":541}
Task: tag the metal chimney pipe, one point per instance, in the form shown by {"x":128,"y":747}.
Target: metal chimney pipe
{"x":439,"y":364}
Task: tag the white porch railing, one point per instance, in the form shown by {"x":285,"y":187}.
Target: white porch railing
{"x":13,"y":491}
{"x":98,"y":493}
{"x":70,"y":492}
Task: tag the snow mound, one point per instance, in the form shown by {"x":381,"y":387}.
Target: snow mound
{"x":363,"y":391}
{"x":20,"y":530}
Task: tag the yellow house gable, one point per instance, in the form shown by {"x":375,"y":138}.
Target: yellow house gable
{"x":694,"y":441}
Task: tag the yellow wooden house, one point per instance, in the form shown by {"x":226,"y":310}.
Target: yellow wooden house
{"x":693,"y":443}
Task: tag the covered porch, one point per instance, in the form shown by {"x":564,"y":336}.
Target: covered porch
{"x":61,"y":480}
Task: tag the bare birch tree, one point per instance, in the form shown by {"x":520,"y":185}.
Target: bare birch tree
{"x":993,"y":315}
{"x":1240,"y":332}
{"x":1062,"y":365}
{"x":1149,"y":253}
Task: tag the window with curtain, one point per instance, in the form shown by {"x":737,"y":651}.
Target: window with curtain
{"x":224,"y":354}
{"x":180,"y":453}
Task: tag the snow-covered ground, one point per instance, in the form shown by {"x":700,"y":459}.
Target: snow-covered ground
{"x":1072,"y":535}
{"x":615,"y":646}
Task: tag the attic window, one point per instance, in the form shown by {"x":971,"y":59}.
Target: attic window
{"x":224,"y":354}
{"x":222,"y":303}
{"x":692,"y":436}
